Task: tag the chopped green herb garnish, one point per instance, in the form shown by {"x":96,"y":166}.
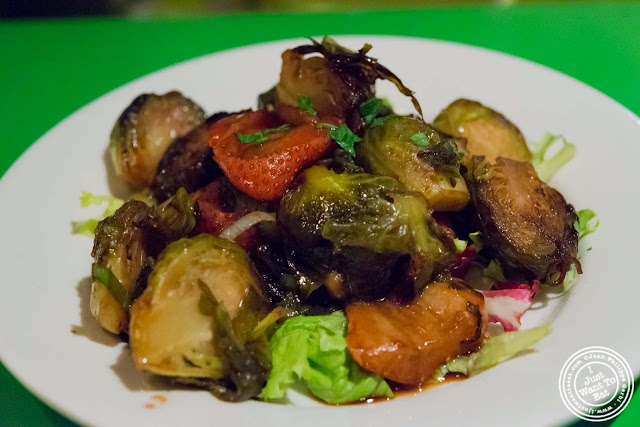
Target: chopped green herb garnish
{"x":421,"y":139}
{"x":370,"y":109}
{"x":305,"y":104}
{"x":386,"y":103}
{"x":460,"y":154}
{"x":343,"y":136}
{"x":378,"y":121}
{"x":259,"y":137}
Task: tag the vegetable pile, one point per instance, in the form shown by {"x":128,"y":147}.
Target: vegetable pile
{"x":324,"y":242}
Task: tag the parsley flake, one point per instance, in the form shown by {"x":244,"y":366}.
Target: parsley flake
{"x":259,"y":137}
{"x":370,"y":109}
{"x":421,"y":139}
{"x":460,"y":154}
{"x":305,"y":104}
{"x":343,"y":136}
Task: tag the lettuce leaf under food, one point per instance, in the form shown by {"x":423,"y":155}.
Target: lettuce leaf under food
{"x":587,"y":222}
{"x":87,"y":199}
{"x":494,"y":350}
{"x":547,"y":168}
{"x":461,"y":245}
{"x":313,"y":349}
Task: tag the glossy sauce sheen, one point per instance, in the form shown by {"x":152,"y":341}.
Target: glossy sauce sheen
{"x":406,"y":390}
{"x":407,"y":343}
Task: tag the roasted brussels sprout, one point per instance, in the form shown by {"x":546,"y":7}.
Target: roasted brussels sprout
{"x":337,"y":82}
{"x":143,"y":131}
{"x":197,"y":315}
{"x":120,"y":255}
{"x":407,"y":343}
{"x":353,"y":230}
{"x":188,"y":162}
{"x":527,"y":224}
{"x":432,"y":168}
{"x":124,"y":249}
{"x":488,"y":133}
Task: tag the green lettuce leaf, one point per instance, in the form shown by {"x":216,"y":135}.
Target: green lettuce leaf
{"x":494,"y":350}
{"x":587,"y":222}
{"x":313,"y":349}
{"x":547,"y":168}
{"x":494,"y":271}
{"x":88,"y":199}
{"x":461,"y":245}
{"x":476,"y":241}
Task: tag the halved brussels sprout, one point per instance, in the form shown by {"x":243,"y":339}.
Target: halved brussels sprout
{"x":145,"y":129}
{"x":120,"y":254}
{"x":337,"y":82}
{"x":528,"y":224}
{"x":354,"y":230}
{"x":488,"y":133}
{"x":313,"y":77}
{"x":406,"y":343}
{"x":188,"y":162}
{"x":123,"y":250}
{"x":174,"y":327}
{"x":432,"y":168}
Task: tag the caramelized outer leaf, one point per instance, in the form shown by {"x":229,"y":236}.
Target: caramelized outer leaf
{"x":145,"y":129}
{"x":337,"y":82}
{"x":172,"y":328}
{"x":433,"y":169}
{"x":528,"y":224}
{"x":354,"y":229}
{"x":488,"y":133}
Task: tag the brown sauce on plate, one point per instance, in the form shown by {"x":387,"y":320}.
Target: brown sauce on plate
{"x":406,"y":390}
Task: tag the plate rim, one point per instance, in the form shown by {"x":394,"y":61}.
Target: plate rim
{"x":347,"y":37}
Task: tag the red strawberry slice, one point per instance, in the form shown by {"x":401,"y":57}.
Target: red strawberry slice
{"x":265,"y":170}
{"x":214,"y":219}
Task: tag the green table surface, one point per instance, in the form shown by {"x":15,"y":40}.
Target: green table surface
{"x":49,"y":69}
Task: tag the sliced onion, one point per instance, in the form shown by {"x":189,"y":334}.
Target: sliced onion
{"x":245,"y":223}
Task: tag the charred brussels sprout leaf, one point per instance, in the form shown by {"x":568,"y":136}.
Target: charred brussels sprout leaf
{"x":341,"y":161}
{"x":120,"y":255}
{"x":145,"y":129}
{"x":528,"y":224}
{"x":246,"y":363}
{"x":487,"y":132}
{"x":175,"y":217}
{"x":337,"y":82}
{"x":124,"y":248}
{"x":196,"y":317}
{"x":433,"y":169}
{"x":188,"y":162}
{"x":353,"y":230}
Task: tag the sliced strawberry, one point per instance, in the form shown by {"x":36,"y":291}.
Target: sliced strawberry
{"x":214,"y":219}
{"x":265,"y":170}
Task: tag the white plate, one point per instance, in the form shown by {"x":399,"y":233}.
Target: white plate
{"x":89,"y":377}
